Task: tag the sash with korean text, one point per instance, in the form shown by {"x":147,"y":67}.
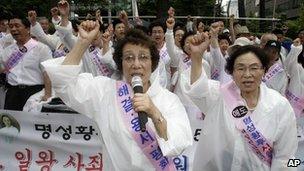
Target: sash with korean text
{"x":18,"y":54}
{"x":102,"y":68}
{"x":243,"y":122}
{"x":60,"y":52}
{"x":296,"y":102}
{"x":146,"y":141}
{"x":186,"y":61}
{"x":273,"y":71}
{"x":163,"y":55}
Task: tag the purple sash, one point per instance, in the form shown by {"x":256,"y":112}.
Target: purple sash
{"x":186,"y":61}
{"x":163,"y":54}
{"x":254,"y":138}
{"x":102,"y":68}
{"x":215,"y":74}
{"x":59,"y":53}
{"x":19,"y":53}
{"x":146,"y":141}
{"x":273,"y":70}
{"x":297,"y":103}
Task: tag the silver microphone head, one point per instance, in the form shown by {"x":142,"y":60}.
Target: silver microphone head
{"x":136,"y":81}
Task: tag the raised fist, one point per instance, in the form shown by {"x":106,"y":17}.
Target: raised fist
{"x":64,"y":7}
{"x":170,"y":23}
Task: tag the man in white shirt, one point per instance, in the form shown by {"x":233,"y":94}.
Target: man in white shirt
{"x":21,"y":61}
{"x":276,"y":76}
{"x":167,"y":64}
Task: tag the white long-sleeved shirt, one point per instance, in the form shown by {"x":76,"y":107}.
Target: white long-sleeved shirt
{"x":6,"y":39}
{"x":217,"y":64}
{"x":29,"y":70}
{"x":96,"y":98}
{"x":224,"y":144}
{"x":93,"y":61}
{"x":295,"y":88}
{"x":52,"y":41}
{"x":279,"y":80}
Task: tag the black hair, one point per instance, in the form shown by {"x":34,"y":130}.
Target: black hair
{"x":198,"y":21}
{"x":23,"y":19}
{"x":224,"y":37}
{"x":4,"y":16}
{"x":258,"y":52}
{"x":75,"y":24}
{"x":115,"y":22}
{"x":157,"y":23}
{"x":277,"y":31}
{"x":182,"y":43}
{"x":142,"y":28}
{"x":178,"y":27}
{"x":136,"y":37}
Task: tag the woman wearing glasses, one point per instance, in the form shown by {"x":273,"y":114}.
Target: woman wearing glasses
{"x":248,"y":126}
{"x":114,"y":106}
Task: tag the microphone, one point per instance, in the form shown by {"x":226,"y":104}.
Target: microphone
{"x":137,"y":86}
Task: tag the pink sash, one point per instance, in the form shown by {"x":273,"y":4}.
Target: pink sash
{"x":254,"y":138}
{"x":297,"y":103}
{"x":273,"y":71}
{"x":102,"y":68}
{"x":16,"y":56}
{"x":146,"y":141}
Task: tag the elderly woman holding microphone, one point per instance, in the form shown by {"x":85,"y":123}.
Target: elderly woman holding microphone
{"x":115,"y":106}
{"x":248,"y":126}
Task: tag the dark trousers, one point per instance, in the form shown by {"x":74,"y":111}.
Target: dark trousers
{"x":16,"y":96}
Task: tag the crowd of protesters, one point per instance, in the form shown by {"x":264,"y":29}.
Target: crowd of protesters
{"x":216,"y":97}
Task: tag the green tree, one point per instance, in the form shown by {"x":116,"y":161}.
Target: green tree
{"x":301,"y":16}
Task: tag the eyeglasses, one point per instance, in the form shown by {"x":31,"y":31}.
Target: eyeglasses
{"x":252,"y":69}
{"x":130,"y":58}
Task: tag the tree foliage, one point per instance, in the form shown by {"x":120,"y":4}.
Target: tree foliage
{"x":21,"y":7}
{"x":145,"y":7}
{"x":295,"y":25}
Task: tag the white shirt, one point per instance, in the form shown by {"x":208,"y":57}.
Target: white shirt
{"x":166,"y":61}
{"x":279,"y":81}
{"x":222,"y":146}
{"x":6,"y":39}
{"x":189,"y":26}
{"x":52,"y":41}
{"x":185,"y":161}
{"x":28,"y":71}
{"x":194,"y":114}
{"x":217,"y":65}
{"x":296,"y":74}
{"x":96,"y":98}
{"x":172,"y":49}
{"x":90,"y":64}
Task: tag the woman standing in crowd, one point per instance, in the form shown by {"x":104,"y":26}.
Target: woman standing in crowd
{"x":247,"y":125}
{"x":114,"y":107}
